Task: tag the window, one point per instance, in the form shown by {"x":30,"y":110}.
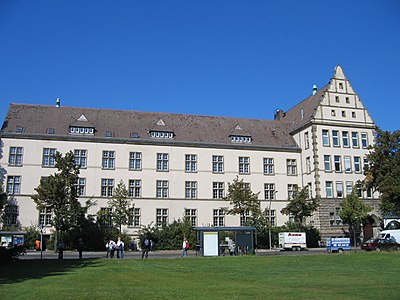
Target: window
{"x":354,"y":139}
{"x":190,"y":189}
{"x":219,"y":217}
{"x":333,"y":113}
{"x":48,"y":159}
{"x":135,"y":161}
{"x":107,"y":187}
{"x":292,"y":191}
{"x":134,"y":135}
{"x":347,"y":100}
{"x":337,"y":99}
{"x":271,"y":220}
{"x":357,"y":164}
{"x":81,"y":130}
{"x":108,"y":160}
{"x":161,"y":216}
{"x":339,"y":189}
{"x":269,"y":191}
{"x":50,"y":131}
{"x":45,"y":215}
{"x":19,"y":129}
{"x":162,"y":134}
{"x":81,"y":187}
{"x":291,"y":167}
{"x":240,"y":139}
{"x":11,"y":215}
{"x":162,"y":189}
{"x":217,"y":164}
{"x":329,"y":189}
{"x":340,"y":85}
{"x":366,"y":164}
{"x":218,"y":190}
{"x":335,"y":138}
{"x":347,"y":164}
{"x":109,"y":134}
{"x":162,"y":162}
{"x":308,"y":165}
{"x":191,"y":214}
{"x":338,"y":163}
{"x":190,"y":163}
{"x":135,"y":188}
{"x":134,"y":217}
{"x":310,"y":191}
{"x":345,"y":138}
{"x":364,"y":140}
{"x":369,"y":193}
{"x":306,"y":140}
{"x":13,"y":185}
{"x":105,"y":216}
{"x":353,"y":114}
{"x":15,"y":157}
{"x":327,"y":163}
{"x":349,"y":187}
{"x":268,"y":166}
{"x":334,"y":217}
{"x":343,"y":113}
{"x":244,"y":218}
{"x":80,"y":158}
{"x":244,"y":165}
{"x":325,"y":137}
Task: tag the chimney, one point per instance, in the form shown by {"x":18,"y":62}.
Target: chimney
{"x":314,"y":89}
{"x":279,"y":114}
{"x":58,"y":102}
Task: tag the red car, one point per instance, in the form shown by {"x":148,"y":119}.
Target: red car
{"x":380,"y":244}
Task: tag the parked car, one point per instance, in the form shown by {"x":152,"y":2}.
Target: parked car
{"x":380,"y":244}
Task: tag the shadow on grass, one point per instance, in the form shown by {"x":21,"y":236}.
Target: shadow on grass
{"x":22,"y":270}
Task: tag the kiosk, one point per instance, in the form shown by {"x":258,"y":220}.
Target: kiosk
{"x":209,"y":240}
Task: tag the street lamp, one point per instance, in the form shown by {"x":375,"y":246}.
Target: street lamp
{"x":269,"y":215}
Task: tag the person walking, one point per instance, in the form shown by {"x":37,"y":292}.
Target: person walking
{"x":108,"y":249}
{"x":145,"y":248}
{"x":112,"y":246}
{"x":120,"y":248}
{"x":185,"y":247}
{"x":80,"y":248}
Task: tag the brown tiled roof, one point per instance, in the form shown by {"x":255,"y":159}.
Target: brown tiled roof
{"x":36,"y":119}
{"x":308,"y":105}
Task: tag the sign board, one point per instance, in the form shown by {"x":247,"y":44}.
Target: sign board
{"x":210,"y":243}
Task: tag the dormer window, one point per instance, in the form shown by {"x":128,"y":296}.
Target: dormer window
{"x":134,"y":135}
{"x":50,"y":130}
{"x":161,"y":134}
{"x":109,"y":134}
{"x":81,"y":130}
{"x":240,"y":139}
{"x":19,"y":129}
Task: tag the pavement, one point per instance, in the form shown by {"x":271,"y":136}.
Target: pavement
{"x":50,"y":254}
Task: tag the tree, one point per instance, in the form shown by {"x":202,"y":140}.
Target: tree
{"x":353,"y":211}
{"x":3,"y":203}
{"x":301,"y":206}
{"x":383,"y":173}
{"x":120,"y":206}
{"x":58,"y":192}
{"x":242,"y":199}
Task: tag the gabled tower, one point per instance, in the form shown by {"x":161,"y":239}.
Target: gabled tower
{"x":333,"y":129}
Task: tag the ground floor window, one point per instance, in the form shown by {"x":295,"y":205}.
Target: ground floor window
{"x":11,"y":215}
{"x":218,"y":217}
{"x":134,"y":217}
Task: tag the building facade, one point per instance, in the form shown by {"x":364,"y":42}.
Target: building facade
{"x":177,"y":165}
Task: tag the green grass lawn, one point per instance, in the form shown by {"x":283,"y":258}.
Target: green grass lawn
{"x":335,"y":276}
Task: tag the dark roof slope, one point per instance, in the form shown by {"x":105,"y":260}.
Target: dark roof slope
{"x":36,"y":119}
{"x":308,"y":105}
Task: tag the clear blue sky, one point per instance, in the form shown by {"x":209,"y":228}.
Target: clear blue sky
{"x":224,"y":58}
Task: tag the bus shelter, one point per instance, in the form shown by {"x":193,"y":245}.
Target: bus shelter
{"x":11,"y":239}
{"x":209,"y":240}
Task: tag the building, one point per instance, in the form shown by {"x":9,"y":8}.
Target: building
{"x":177,"y":165}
